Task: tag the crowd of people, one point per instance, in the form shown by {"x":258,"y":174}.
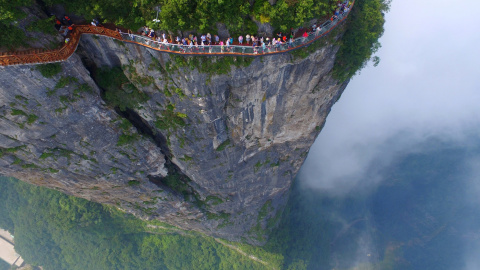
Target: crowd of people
{"x":65,"y":25}
{"x":194,"y":41}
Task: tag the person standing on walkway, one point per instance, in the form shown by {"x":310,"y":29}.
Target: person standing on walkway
{"x":240,"y":40}
{"x":209,"y":38}
{"x":305,"y":36}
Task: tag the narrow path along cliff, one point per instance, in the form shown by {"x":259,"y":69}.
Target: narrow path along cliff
{"x":41,"y":56}
{"x":206,"y":142}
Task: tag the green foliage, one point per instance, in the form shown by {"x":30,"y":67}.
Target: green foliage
{"x":31,"y":118}
{"x":221,"y":215}
{"x":77,"y":234}
{"x":46,"y":26}
{"x":64,"y":81}
{"x":180,"y":93}
{"x":265,"y":210}
{"x":29,"y":166}
{"x":186,"y":158}
{"x":236,"y":14}
{"x":258,"y":231}
{"x":4,"y":151}
{"x":57,"y":152}
{"x":177,"y":183}
{"x":133,"y":183}
{"x":210,"y":65}
{"x":170,"y":119}
{"x":125,"y":124}
{"x":12,"y":37}
{"x":360,"y":41}
{"x":82,"y":88}
{"x":126,"y":139}
{"x":50,"y":70}
{"x":213,"y":199}
{"x":287,"y":14}
{"x":45,"y":155}
{"x":260,"y":164}
{"x":18,"y":112}
{"x":4,"y":265}
{"x":223,"y":145}
{"x":119,"y":91}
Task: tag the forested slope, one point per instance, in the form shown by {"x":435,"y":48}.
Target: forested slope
{"x":64,"y":232}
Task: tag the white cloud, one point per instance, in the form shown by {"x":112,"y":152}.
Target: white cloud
{"x":426,"y":86}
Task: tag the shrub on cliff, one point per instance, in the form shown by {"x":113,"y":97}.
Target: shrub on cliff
{"x":11,"y":36}
{"x":118,"y":90}
{"x":360,"y":41}
{"x":50,"y":70}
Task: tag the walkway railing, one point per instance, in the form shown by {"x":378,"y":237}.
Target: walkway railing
{"x":62,"y":54}
{"x":37,"y":56}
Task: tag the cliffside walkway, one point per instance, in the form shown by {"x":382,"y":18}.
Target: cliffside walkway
{"x":39,"y":56}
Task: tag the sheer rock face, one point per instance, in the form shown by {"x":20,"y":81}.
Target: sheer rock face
{"x":246,"y":135}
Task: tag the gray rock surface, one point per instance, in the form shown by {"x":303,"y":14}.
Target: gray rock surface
{"x":246,"y":133}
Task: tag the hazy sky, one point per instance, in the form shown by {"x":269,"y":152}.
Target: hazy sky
{"x":427,"y":85}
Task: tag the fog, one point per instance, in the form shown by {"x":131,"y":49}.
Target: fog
{"x":425,"y":87}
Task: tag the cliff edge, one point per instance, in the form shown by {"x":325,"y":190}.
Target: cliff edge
{"x":210,"y":144}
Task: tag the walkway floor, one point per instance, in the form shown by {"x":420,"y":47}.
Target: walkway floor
{"x":7,"y":250}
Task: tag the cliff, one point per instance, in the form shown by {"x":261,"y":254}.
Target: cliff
{"x":209,"y":144}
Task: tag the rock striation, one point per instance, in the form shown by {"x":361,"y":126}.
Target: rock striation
{"x":214,"y":146}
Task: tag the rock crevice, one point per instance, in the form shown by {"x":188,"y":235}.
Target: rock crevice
{"x":214,"y":147}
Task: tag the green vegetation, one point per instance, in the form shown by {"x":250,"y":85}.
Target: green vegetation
{"x":186,"y":158}
{"x":119,"y":91}
{"x":50,"y":70}
{"x":360,"y":41}
{"x":46,"y":26}
{"x":12,"y":37}
{"x":221,"y":215}
{"x":223,"y":145}
{"x":133,"y":183}
{"x":213,"y":199}
{"x":125,"y":124}
{"x":18,"y":112}
{"x":363,"y":29}
{"x":236,"y":14}
{"x":126,"y":139}
{"x":4,"y":265}
{"x":82,"y":88}
{"x":170,"y":119}
{"x":187,"y":15}
{"x":258,"y":231}
{"x":78,"y":234}
{"x":31,"y":118}
{"x":209,"y":65}
{"x":4,"y":151}
{"x":45,"y":155}
{"x":178,"y":183}
{"x":64,"y":81}
{"x":311,"y":230}
{"x":136,"y":78}
{"x":259,"y":165}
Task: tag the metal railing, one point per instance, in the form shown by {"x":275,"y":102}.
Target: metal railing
{"x":236,"y":49}
{"x":37,"y":56}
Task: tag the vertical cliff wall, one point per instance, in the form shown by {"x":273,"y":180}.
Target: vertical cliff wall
{"x":212,"y":145}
